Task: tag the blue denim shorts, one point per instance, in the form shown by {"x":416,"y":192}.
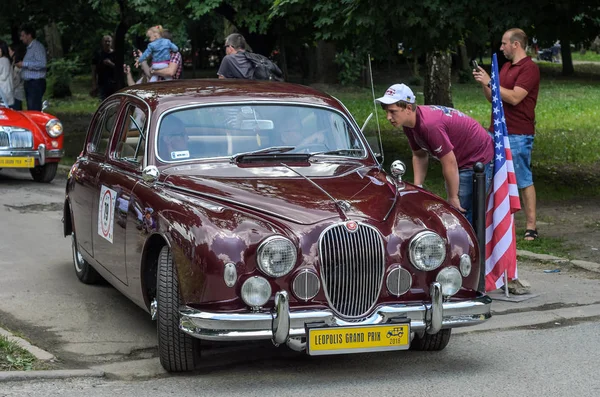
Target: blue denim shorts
{"x":521,"y":147}
{"x":465,"y":188}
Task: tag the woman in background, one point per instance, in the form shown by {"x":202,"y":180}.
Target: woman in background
{"x":6,"y":76}
{"x":17,"y":53}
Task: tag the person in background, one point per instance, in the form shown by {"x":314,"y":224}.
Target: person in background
{"x":160,"y":49}
{"x":6,"y":76}
{"x":519,"y":87}
{"x":103,"y":70}
{"x":33,"y":69}
{"x":235,"y":65}
{"x":173,"y":71}
{"x":17,"y":52}
{"x":455,"y":139}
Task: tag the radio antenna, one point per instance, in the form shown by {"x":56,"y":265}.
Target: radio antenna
{"x":375,"y":111}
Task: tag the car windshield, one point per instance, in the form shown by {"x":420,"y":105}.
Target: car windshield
{"x":231,"y":130}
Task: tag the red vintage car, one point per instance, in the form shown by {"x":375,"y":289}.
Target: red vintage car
{"x":31,"y":139}
{"x":236,"y":210}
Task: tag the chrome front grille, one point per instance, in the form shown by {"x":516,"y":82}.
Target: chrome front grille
{"x":16,"y":139}
{"x":352,"y":267}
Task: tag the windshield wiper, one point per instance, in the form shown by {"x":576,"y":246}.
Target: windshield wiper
{"x":338,"y":152}
{"x":268,"y":150}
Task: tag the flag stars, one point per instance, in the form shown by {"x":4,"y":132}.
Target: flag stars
{"x":496,"y":110}
{"x":495,"y":98}
{"x":499,"y":157}
{"x":496,"y":122}
{"x":498,"y":145}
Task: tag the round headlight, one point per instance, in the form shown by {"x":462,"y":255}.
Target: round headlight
{"x":465,"y":265}
{"x":276,"y":256}
{"x":427,"y":251}
{"x":54,"y":128}
{"x":306,"y":285}
{"x":450,"y":279}
{"x":256,"y":291}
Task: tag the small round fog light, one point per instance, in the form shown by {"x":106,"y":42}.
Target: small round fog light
{"x":256,"y":291}
{"x":230,"y":274}
{"x":465,"y":265}
{"x":450,"y":279}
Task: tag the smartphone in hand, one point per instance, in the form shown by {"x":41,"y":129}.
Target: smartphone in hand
{"x":475,"y":65}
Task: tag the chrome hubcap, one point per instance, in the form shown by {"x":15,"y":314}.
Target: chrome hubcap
{"x":77,"y":258}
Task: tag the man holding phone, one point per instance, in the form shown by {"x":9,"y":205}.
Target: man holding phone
{"x":455,"y":139}
{"x":519,"y":86}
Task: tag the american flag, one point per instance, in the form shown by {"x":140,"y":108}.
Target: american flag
{"x":503,"y":201}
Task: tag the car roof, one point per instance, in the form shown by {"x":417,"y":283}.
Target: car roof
{"x":170,"y":94}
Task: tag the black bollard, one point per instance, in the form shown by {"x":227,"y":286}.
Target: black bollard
{"x":479,"y":217}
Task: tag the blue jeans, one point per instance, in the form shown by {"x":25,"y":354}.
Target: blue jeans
{"x":18,"y":105}
{"x":34,"y":92}
{"x":465,"y":188}
{"x":521,"y":147}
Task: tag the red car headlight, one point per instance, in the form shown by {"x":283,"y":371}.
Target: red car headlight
{"x":54,"y":128}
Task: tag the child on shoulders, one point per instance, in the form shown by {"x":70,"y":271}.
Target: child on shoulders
{"x":160,"y":50}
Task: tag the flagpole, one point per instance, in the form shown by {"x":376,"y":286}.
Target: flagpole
{"x":506,"y":283}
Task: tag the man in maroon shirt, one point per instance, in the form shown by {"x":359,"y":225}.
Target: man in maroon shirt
{"x":519,"y":86}
{"x":456,"y":140}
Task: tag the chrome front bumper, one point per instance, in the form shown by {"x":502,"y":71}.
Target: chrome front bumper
{"x":280,"y":325}
{"x":41,"y":154}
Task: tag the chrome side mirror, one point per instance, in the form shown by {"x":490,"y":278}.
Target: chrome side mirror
{"x":45,"y":105}
{"x":150,"y":174}
{"x":398,"y":169}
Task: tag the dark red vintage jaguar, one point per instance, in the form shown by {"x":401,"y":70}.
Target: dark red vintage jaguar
{"x":238,"y":210}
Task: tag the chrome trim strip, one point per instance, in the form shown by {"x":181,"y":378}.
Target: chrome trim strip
{"x":365,"y":147}
{"x":255,"y":326}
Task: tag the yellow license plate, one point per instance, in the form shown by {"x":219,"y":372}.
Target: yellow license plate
{"x":339,"y":340}
{"x":17,"y":162}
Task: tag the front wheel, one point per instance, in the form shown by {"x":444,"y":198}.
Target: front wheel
{"x":178,"y":350}
{"x":435,"y":342}
{"x":84,"y":271}
{"x":44,"y":173}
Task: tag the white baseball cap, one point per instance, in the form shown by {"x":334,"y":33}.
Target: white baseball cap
{"x":397,"y":92}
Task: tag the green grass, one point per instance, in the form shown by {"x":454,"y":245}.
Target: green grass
{"x":547,"y":245}
{"x":14,"y":358}
{"x":566,"y":156}
{"x":589,"y":56}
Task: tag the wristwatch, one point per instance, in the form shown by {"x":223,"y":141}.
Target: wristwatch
{"x":489,"y":84}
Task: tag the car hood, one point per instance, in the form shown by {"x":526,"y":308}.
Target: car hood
{"x":12,"y":118}
{"x":279,"y":190}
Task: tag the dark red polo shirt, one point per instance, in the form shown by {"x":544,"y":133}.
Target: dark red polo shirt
{"x":520,"y":118}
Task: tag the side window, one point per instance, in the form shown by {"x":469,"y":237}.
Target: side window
{"x":132,"y":139}
{"x":104,"y":129}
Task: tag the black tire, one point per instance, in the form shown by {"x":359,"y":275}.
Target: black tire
{"x":435,"y":342}
{"x":84,"y":271}
{"x":179,"y":352}
{"x":44,"y":173}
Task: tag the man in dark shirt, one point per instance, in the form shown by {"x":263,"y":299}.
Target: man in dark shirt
{"x":520,"y":83}
{"x":235,"y":65}
{"x":103,"y":70}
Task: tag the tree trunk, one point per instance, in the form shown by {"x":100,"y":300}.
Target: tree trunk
{"x":437,"y":86}
{"x":326,"y":69}
{"x":567,"y":59}
{"x":53,"y":42}
{"x":283,"y":58}
{"x":119,"y":45}
{"x":463,"y":57}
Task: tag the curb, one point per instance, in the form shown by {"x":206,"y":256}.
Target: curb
{"x":40,"y":354}
{"x":12,"y":376}
{"x":591,"y":266}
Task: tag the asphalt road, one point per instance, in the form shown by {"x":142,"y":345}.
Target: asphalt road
{"x":552,"y":362}
{"x":547,"y":345}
